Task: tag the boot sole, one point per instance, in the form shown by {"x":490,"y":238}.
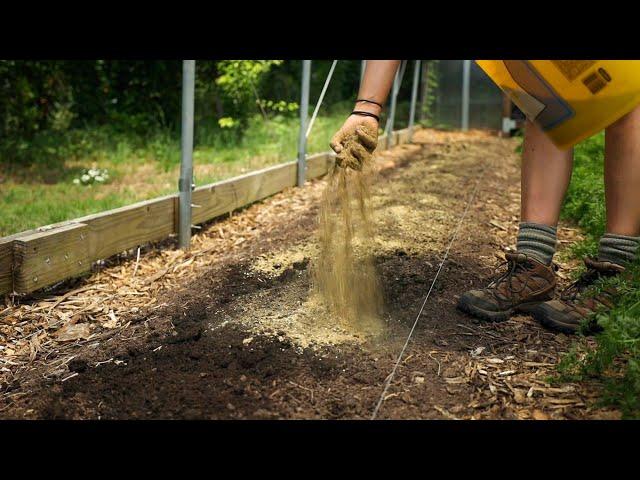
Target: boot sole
{"x":558,"y":327}
{"x":542,"y":317}
{"x":492,"y":316}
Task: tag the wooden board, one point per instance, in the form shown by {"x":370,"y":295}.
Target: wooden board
{"x":6,"y":257}
{"x":110,"y":232}
{"x":318,"y":165}
{"x":402,"y":136}
{"x":117,"y":230}
{"x":44,"y":258}
{"x":6,"y":262}
{"x":223,"y":197}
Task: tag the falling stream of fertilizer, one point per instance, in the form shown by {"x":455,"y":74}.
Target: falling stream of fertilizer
{"x":344,"y":274}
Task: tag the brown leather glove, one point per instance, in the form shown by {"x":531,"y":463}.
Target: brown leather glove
{"x":355,"y":142}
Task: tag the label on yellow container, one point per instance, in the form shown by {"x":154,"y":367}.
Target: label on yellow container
{"x":569,"y":99}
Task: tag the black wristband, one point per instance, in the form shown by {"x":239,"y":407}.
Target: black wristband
{"x":369,"y":101}
{"x":366,"y":114}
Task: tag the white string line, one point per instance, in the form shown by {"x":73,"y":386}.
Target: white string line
{"x":324,"y":90}
{"x":453,"y":238}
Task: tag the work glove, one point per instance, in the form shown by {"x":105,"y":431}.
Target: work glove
{"x":355,"y":142}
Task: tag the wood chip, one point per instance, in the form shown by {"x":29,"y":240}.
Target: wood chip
{"x":539,"y":415}
{"x":71,"y":332}
{"x":497,"y":225}
{"x":455,"y":380}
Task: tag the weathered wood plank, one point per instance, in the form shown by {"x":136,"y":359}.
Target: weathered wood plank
{"x":223,"y":197}
{"x":6,"y":255}
{"x":6,"y":262}
{"x":117,"y":230}
{"x":318,"y":165}
{"x":41,"y":259}
{"x":402,"y":136}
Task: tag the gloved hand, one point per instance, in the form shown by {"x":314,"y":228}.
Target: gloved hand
{"x":355,"y":142}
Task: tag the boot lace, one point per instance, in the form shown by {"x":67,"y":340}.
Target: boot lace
{"x":513,"y":268}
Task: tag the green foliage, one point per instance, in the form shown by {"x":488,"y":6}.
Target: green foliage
{"x":430,"y":93}
{"x":38,"y":96}
{"x":128,"y":95}
{"x":33,"y":96}
{"x":227,"y":122}
{"x":614,"y":357}
{"x":239,"y":78}
{"x":239,"y":81}
{"x":280,"y":106}
{"x":585,"y":198}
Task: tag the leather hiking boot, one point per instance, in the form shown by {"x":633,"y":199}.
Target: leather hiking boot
{"x":526,"y":282}
{"x":575,"y":304}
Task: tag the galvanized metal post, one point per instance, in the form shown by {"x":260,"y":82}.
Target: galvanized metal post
{"x":424,"y":90}
{"x":414,"y":97}
{"x":304,"y":112}
{"x":185,"y":184}
{"x":363,"y":65}
{"x":466,"y":74}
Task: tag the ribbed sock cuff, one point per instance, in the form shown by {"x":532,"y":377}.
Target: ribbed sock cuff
{"x":618,"y":249}
{"x":537,"y":240}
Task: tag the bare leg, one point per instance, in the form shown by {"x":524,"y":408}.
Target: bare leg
{"x":546,"y":172}
{"x":622,"y":175}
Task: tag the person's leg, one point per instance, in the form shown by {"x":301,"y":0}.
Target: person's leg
{"x":530,"y":279}
{"x":546,"y":172}
{"x":545,"y":176}
{"x":622,"y":175}
{"x":622,"y":189}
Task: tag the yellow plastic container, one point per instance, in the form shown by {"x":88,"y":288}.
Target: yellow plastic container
{"x":569,"y":99}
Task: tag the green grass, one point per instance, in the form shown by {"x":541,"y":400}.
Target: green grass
{"x":613,"y":355}
{"x":36,"y":177}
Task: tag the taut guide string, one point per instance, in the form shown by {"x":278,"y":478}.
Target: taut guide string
{"x":444,"y":259}
{"x":321,"y":98}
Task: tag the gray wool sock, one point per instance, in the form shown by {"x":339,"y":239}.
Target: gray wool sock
{"x":537,"y":240}
{"x":618,"y":249}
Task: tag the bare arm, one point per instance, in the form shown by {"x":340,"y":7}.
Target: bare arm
{"x":376,"y":84}
{"x":358,"y":137}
